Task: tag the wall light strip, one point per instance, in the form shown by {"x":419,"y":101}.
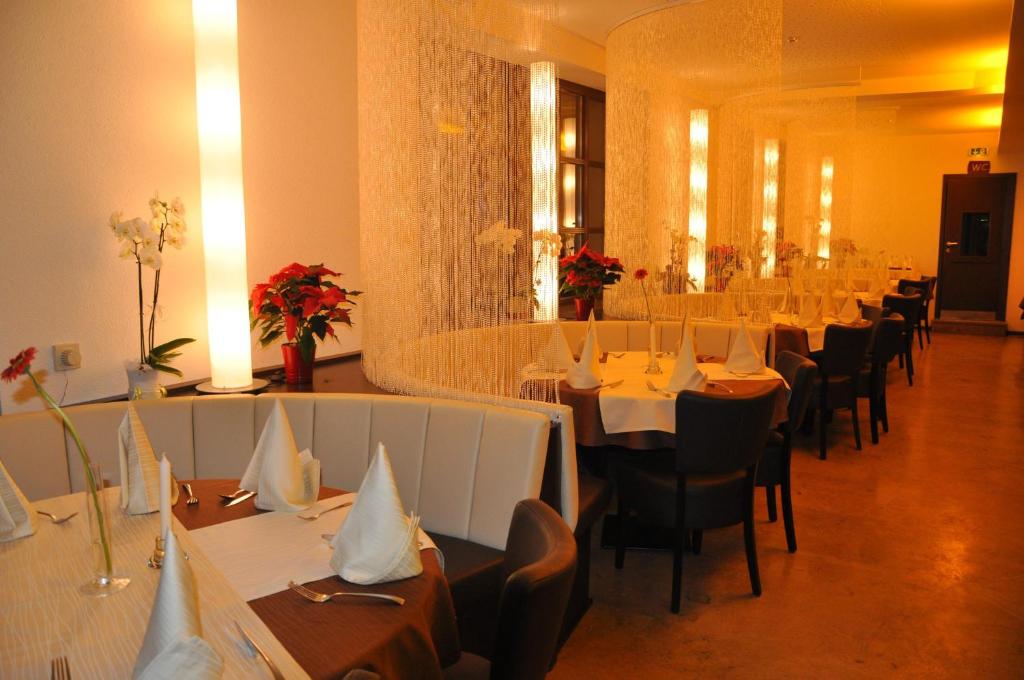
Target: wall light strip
{"x":769,"y":207}
{"x":825,"y":222}
{"x":543,"y":148}
{"x":698,"y":224}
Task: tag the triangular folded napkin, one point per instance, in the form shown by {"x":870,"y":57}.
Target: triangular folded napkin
{"x":173,"y":646}
{"x":140,"y":471}
{"x":17,"y":517}
{"x":377,"y":542}
{"x":850,"y":311}
{"x":810,"y":313}
{"x":586,"y":372}
{"x":556,"y":355}
{"x":744,"y":355}
{"x":282,"y":478}
{"x":686,"y":375}
{"x":828,"y":302}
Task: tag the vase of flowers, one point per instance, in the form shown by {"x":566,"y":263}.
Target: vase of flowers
{"x":653,"y":367}
{"x":103,"y":581}
{"x":299,"y":303}
{"x":582,"y":276}
{"x":144,"y":242}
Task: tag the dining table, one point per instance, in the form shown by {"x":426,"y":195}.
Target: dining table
{"x":45,"y":616}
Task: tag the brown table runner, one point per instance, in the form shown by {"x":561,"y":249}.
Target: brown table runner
{"x":586,"y":416}
{"x":412,"y":641}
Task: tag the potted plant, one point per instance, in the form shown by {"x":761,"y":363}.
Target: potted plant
{"x":301,"y":304}
{"x":144,"y":242}
{"x":583,"y":275}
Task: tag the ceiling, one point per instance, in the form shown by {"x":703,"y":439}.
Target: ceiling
{"x":954,"y":49}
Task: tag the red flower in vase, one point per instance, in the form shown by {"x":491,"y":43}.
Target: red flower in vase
{"x":18,"y":365}
{"x":640,"y":274}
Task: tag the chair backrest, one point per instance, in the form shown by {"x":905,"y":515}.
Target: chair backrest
{"x":845,"y":347}
{"x":791,"y":339}
{"x":912,"y":286}
{"x":539,"y":566}
{"x":722,"y":433}
{"x":888,"y":339}
{"x":871,"y":312}
{"x":907,"y":306}
{"x":799,"y":373}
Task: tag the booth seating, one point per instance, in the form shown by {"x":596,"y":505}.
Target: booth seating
{"x":713,"y":338}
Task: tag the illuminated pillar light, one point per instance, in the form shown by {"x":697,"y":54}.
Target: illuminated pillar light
{"x":825,"y":221}
{"x":543,"y":148}
{"x":698,"y":224}
{"x":769,"y":207}
{"x":218,"y":114}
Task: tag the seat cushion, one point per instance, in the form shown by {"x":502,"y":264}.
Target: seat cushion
{"x":474,"y":578}
{"x":468,"y":667}
{"x":595,"y":494}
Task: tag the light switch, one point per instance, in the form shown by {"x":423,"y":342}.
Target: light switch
{"x":66,"y":356}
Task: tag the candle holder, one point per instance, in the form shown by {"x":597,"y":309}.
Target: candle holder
{"x":156,"y":560}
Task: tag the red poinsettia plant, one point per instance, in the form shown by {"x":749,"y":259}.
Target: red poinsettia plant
{"x":300,"y":303}
{"x":584,"y":274}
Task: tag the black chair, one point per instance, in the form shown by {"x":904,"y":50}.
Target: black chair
{"x":838,"y":373}
{"x":709,"y":481}
{"x":540,"y":562}
{"x":887,"y":344}
{"x":925,"y":288}
{"x":774,"y":468}
{"x":909,"y":307}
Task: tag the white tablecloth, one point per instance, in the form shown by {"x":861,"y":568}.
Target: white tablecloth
{"x":632,"y":407}
{"x":44,"y":615}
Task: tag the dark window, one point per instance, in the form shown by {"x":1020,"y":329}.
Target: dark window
{"x":974,"y":234}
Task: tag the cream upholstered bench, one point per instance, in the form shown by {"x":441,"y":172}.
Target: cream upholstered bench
{"x":461,"y":466}
{"x":712,"y":337}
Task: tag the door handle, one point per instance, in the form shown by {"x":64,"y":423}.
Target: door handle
{"x":950,"y":244}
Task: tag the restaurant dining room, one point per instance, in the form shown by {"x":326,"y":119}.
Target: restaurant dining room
{"x":511,"y":339}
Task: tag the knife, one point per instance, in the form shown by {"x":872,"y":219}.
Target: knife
{"x":256,"y":648}
{"x":244,"y":497}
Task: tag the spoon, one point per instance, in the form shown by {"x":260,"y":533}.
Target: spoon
{"x":54,"y":518}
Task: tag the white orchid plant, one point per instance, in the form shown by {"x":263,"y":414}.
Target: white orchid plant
{"x":144,"y":241}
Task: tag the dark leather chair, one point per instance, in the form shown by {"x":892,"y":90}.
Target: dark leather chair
{"x":540,"y":562}
{"x":909,"y":307}
{"x":886,"y":345}
{"x":774,"y":468}
{"x":791,"y":339}
{"x":926,"y":289}
{"x":838,"y":375}
{"x":595,"y":493}
{"x":709,"y":481}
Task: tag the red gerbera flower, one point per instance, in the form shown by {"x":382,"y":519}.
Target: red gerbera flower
{"x":19,"y":365}
{"x":640,"y":274}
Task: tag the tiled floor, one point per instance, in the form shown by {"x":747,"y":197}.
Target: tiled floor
{"x":910,"y":560}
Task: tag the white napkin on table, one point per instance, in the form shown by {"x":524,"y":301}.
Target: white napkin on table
{"x":586,"y":372}
{"x":17,"y":516}
{"x":556,"y":355}
{"x":744,"y":355}
{"x":377,"y":543}
{"x":140,"y":471}
{"x":686,"y":375}
{"x":850,"y":311}
{"x":810,"y":313}
{"x":282,"y":478}
{"x":828,"y":302}
{"x":173,"y":646}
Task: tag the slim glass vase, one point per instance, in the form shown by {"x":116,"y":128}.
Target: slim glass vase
{"x":103,"y":581}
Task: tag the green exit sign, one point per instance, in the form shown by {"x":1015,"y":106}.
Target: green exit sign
{"x":978,"y":151}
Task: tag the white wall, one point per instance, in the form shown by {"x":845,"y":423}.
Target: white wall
{"x":98,"y":110}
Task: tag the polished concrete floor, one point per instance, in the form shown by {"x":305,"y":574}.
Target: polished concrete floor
{"x":910,"y":560}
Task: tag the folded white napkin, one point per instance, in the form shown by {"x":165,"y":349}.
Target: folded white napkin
{"x":850,"y":311}
{"x":828,"y":302}
{"x":556,"y":355}
{"x":586,"y":372}
{"x":377,"y":542}
{"x":880,"y":285}
{"x":17,"y":517}
{"x":744,"y":355}
{"x":173,"y":646}
{"x":140,"y":471}
{"x":686,"y":375}
{"x":786,"y":304}
{"x":810,"y":312}
{"x":282,"y":478}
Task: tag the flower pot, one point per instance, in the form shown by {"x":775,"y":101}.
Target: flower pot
{"x":584,"y":306}
{"x":143,"y":381}
{"x":297,"y":371}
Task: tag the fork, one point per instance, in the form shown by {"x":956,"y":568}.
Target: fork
{"x":59,"y":668}
{"x":654,"y":388}
{"x":317,"y":515}
{"x":724,"y":387}
{"x":192,"y":500}
{"x":54,"y":518}
{"x":320,"y":598}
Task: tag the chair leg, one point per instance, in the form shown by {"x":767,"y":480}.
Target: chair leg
{"x":884,"y":410}
{"x":787,"y":511}
{"x":748,"y":534}
{"x":920,"y":334}
{"x":873,"y":402}
{"x":696,"y":538}
{"x":928,"y":331}
{"x":910,"y":360}
{"x":769,"y":496}
{"x":620,"y":539}
{"x":855,"y":420}
{"x":679,"y":545}
{"x":823,"y":423}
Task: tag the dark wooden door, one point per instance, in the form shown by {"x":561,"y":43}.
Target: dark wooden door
{"x":974,"y":243}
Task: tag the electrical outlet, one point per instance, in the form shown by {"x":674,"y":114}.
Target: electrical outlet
{"x":66,"y":357}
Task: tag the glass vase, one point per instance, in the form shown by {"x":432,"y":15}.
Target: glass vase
{"x":653,"y":367}
{"x":103,"y":581}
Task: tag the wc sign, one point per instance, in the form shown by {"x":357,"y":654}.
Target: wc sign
{"x":979,"y":167}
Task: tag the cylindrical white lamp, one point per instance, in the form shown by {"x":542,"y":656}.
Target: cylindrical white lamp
{"x":215,"y":25}
{"x":544,"y":150}
{"x":698,"y":223}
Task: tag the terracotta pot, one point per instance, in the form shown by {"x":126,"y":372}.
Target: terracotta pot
{"x":297,"y":371}
{"x":583,"y":308}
